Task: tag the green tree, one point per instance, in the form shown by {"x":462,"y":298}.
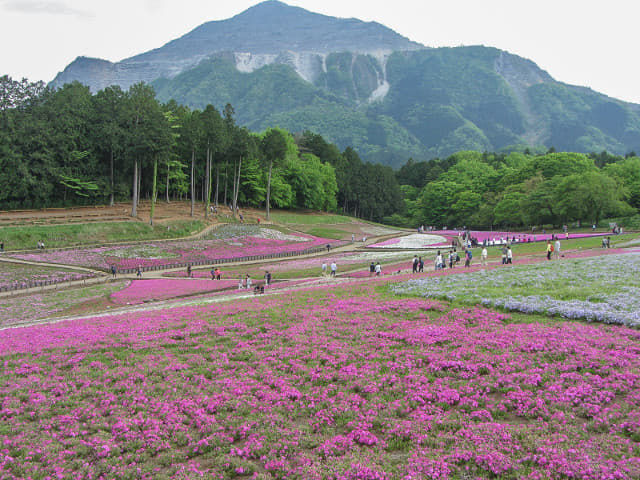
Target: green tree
{"x":274,"y":148}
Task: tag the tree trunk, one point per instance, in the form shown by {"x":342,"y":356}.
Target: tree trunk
{"x":134,"y":203}
{"x":154,"y":192}
{"x":139,"y":184}
{"x":226,"y":179}
{"x":111,"y":182}
{"x":217,"y":185}
{"x":167,"y":183}
{"x":236,"y":188}
{"x":207,"y":184}
{"x":193,"y":182}
{"x":269,"y":187}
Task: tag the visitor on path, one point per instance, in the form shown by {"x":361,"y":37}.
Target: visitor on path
{"x":556,"y":249}
{"x":509,"y":256}
{"x":113,"y":271}
{"x":372,"y":269}
{"x":414,"y":266}
{"x":189,"y":270}
{"x":467,"y":258}
{"x":139,"y":272}
{"x":1,"y":246}
{"x":504,"y":255}
{"x":248,"y":282}
{"x":324,"y":268}
{"x":378,"y":269}
{"x":213,"y":273}
{"x":483,"y":256}
{"x":240,"y":284}
{"x":549,"y":249}
{"x":353,"y":238}
{"x":267,"y":278}
{"x":334,"y":268}
{"x":420,"y":265}
{"x":218,"y":273}
{"x":438,"y":262}
{"x":328,"y":247}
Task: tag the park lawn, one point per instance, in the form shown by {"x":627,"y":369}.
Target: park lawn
{"x":292,"y":218}
{"x":59,"y":236}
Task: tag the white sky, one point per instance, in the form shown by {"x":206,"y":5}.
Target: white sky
{"x":581,"y":42}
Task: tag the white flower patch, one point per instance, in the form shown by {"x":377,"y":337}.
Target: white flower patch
{"x":416,"y":240}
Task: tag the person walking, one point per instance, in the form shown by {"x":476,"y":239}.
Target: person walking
{"x":268,"y":279}
{"x":509,"y":256}
{"x":240,"y":284}
{"x":414,"y":267}
{"x":217,"y":273}
{"x":139,"y":272}
{"x":378,"y":269}
{"x":420,"y":265}
{"x":213,"y":273}
{"x":189,"y":270}
{"x":113,"y":271}
{"x":483,"y":256}
{"x":324,"y":268}
{"x":438,"y":262}
{"x":556,"y":249}
{"x":549,"y":249}
{"x":334,"y":269}
{"x":372,"y":269}
{"x":248,"y":282}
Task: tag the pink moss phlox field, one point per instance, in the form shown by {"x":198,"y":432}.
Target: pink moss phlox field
{"x":139,"y":291}
{"x":327,"y":384}
{"x":520,"y":236}
{"x":174,"y":253}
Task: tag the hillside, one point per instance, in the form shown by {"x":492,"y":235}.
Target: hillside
{"x":361,"y":84}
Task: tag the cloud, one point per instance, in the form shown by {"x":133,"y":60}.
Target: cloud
{"x":43,"y":6}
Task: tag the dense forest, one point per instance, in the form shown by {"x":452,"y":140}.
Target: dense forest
{"x":61,"y":147}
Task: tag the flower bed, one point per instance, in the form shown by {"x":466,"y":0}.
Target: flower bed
{"x":516,"y":237}
{"x":416,"y":240}
{"x":261,"y":242}
{"x":602,"y":288}
{"x":140,"y":291}
{"x":332,"y":383}
{"x":19,"y":275}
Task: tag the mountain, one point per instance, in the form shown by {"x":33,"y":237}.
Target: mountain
{"x":361,"y":84}
{"x":265,"y":33}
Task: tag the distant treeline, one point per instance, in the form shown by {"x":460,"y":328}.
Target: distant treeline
{"x":62,"y":147}
{"x":68,"y":147}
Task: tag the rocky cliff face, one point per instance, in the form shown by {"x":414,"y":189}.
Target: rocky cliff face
{"x":255,"y":38}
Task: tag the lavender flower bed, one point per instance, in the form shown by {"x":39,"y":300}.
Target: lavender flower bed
{"x":228,"y":243}
{"x":604,"y":288}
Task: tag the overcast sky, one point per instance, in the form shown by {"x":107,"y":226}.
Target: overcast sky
{"x":580,"y":42}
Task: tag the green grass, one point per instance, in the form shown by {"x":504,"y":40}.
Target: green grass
{"x":309,"y":218}
{"x":327,"y":232}
{"x":27,"y":237}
